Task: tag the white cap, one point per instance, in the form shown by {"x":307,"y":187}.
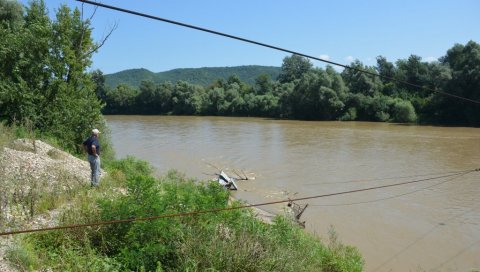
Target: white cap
{"x":95,"y":131}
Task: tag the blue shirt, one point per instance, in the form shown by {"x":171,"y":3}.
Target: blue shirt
{"x":92,"y":141}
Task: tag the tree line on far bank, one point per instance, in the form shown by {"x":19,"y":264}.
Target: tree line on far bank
{"x":305,"y":92}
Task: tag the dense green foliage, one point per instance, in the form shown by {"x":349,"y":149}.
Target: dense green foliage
{"x":198,"y":76}
{"x":304,"y":92}
{"x":464,"y":80}
{"x":221,"y":241}
{"x":43,"y":71}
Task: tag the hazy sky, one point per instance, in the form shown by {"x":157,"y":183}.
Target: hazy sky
{"x":339,"y":31}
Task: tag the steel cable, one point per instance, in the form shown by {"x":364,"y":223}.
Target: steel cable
{"x":214,"y":210}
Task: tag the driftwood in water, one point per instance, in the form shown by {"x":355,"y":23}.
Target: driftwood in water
{"x":244,"y":177}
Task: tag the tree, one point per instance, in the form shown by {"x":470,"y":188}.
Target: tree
{"x":234,"y":79}
{"x":359,"y":82}
{"x":380,"y":108}
{"x":314,"y":97}
{"x":24,"y":59}
{"x":100,"y":89}
{"x":263,"y":84}
{"x":213,"y":101}
{"x":403,"y":112}
{"x":43,"y":72}
{"x":11,"y":13}
{"x":387,"y":72}
{"x":414,"y":71}
{"x":293,"y":68}
{"x":232,"y":93}
{"x":186,"y":98}
{"x":464,"y":62}
{"x":121,"y":100}
{"x":148,"y":99}
{"x":265,"y":105}
{"x":385,"y":69}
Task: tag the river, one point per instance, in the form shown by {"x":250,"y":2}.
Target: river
{"x":432,"y":225}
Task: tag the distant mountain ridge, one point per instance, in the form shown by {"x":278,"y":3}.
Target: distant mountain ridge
{"x":200,"y":76}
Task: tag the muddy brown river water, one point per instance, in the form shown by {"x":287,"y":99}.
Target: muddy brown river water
{"x":433,"y":225}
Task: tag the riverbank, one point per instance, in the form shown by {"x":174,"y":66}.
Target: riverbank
{"x":37,"y":163}
{"x":131,"y":190}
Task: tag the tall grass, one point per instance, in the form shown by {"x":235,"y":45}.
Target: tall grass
{"x":7,"y":135}
{"x":24,"y":196}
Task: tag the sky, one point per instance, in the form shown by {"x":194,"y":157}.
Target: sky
{"x":339,"y":31}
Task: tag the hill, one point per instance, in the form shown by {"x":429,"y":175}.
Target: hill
{"x":200,"y":76}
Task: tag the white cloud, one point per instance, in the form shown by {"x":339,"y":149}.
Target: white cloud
{"x":338,"y":68}
{"x":430,"y":59}
{"x":325,"y":57}
{"x":349,"y":58}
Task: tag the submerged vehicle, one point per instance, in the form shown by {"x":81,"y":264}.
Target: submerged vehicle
{"x":226,"y":181}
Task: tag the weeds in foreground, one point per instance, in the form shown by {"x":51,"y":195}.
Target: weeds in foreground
{"x":23,"y":256}
{"x":7,"y":136}
{"x":24,"y":196}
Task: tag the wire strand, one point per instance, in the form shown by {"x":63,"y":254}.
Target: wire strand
{"x":431,"y":230}
{"x":381,"y":179}
{"x":272,"y":47}
{"x":211,"y":210}
{"x":395,"y":196}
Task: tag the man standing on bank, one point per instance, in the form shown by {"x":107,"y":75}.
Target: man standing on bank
{"x":92,"y":146}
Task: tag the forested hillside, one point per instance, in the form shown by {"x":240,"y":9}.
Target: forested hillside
{"x":198,"y":76}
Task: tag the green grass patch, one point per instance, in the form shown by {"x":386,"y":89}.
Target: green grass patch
{"x":23,"y":256}
{"x":55,"y":154}
{"x":7,"y":135}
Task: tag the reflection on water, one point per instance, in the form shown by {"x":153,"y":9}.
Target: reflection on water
{"x":397,"y":229}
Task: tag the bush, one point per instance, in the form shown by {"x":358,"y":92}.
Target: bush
{"x":23,"y":256}
{"x":225,"y":241}
{"x":404,"y":112}
{"x":349,"y":115}
{"x":130,"y":167}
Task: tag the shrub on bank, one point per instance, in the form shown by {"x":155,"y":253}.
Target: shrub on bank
{"x":222,"y":241}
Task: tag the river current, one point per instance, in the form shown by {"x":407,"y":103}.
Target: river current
{"x":430,"y":225}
